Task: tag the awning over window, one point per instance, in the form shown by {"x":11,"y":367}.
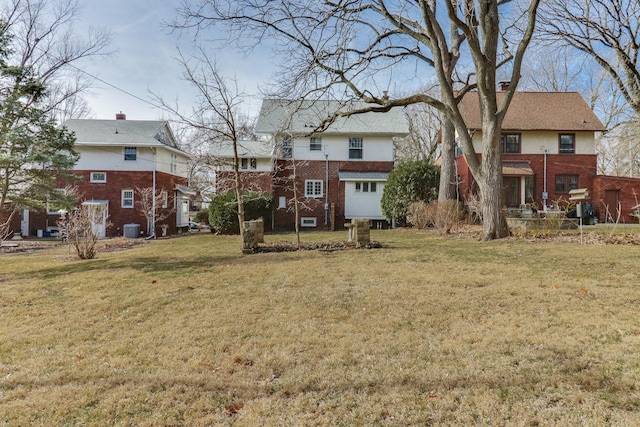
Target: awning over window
{"x":516,"y":169}
{"x":185,"y":190}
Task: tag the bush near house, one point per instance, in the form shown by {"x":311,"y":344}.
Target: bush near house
{"x":410,"y":181}
{"x":223,"y":211}
{"x":202,"y":216}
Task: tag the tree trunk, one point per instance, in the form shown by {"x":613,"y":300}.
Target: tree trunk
{"x":448,"y":177}
{"x":494,"y":222}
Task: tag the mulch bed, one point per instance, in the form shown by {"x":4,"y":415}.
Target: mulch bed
{"x":285,"y":246}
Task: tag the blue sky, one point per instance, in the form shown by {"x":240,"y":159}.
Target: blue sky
{"x":143,"y":60}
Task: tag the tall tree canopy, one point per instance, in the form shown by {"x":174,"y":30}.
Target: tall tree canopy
{"x":356,"y":48}
{"x":35,"y":154}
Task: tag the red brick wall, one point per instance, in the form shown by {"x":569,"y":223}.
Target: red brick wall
{"x":583,"y":165}
{"x":112,"y":191}
{"x":626,"y":188}
{"x":284,"y":219}
{"x":250,"y":181}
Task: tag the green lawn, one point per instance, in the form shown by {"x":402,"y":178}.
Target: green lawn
{"x":425,"y":331}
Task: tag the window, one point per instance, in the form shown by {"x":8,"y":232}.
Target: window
{"x":355,"y":148}
{"x":287,"y":147}
{"x":98,"y":177}
{"x":307,"y":221}
{"x":510,"y":142}
{"x":127,"y":198}
{"x":244,"y":163}
{"x":130,"y":153}
{"x":165,"y":198}
{"x":313,"y":188}
{"x":253,"y":163}
{"x":567,"y":143}
{"x":282,"y":202}
{"x":565,"y":183}
{"x":173,"y":164}
{"x":315,"y":144}
{"x":366,"y":187}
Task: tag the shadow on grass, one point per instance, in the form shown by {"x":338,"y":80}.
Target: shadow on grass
{"x":155,"y":264}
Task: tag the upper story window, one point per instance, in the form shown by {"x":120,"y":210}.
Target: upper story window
{"x":510,"y":142}
{"x":315,"y":143}
{"x":98,"y":177}
{"x":567,"y":143}
{"x":313,"y":188}
{"x":130,"y":153}
{"x":251,"y":163}
{"x":355,"y":148}
{"x":287,"y":147}
{"x":173,"y":163}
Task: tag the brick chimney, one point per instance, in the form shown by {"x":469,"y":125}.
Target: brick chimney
{"x":121,"y":116}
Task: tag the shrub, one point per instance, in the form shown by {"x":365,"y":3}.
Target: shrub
{"x":223,"y":211}
{"x":202,"y":216}
{"x":409,"y":182}
{"x":445,"y":215}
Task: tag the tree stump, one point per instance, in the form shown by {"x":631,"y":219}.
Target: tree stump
{"x":361,"y":232}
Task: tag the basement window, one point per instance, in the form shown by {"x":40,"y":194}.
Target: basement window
{"x":308,"y":221}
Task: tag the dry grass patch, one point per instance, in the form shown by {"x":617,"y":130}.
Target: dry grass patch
{"x":426,"y":331}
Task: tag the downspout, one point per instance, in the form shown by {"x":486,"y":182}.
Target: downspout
{"x":326,"y":188}
{"x":153,"y":197}
{"x":544,"y":185}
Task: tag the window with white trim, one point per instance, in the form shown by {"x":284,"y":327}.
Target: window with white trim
{"x":366,"y":187}
{"x":98,"y":177}
{"x":165,"y":198}
{"x":315,"y":143}
{"x":130,"y":153}
{"x":244,"y":163}
{"x":355,"y":148}
{"x":174,"y":163}
{"x":127,"y":198}
{"x":308,"y":221}
{"x":282,"y":202}
{"x":313,"y":188}
{"x":287,"y":147}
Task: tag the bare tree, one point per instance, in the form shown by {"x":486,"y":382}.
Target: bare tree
{"x":422,"y":141}
{"x":46,"y":42}
{"x":78,"y":229}
{"x":155,"y":207}
{"x":217,"y":117}
{"x":606,"y":30}
{"x":346,"y":48}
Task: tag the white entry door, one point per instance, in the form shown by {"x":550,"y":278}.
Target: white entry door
{"x":98,"y":211}
{"x":24,"y":222}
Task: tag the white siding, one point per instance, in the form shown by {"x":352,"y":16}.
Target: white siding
{"x":375,"y":148}
{"x":112,"y":159}
{"x":363,"y":205}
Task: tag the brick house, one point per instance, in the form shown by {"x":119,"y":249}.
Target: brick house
{"x":118,"y":157}
{"x":548,"y":146}
{"x":340,"y":172}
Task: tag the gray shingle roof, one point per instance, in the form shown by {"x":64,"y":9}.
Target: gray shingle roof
{"x":257,"y":149}
{"x":138,"y":133}
{"x":302,"y":117}
{"x":371,"y":176}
